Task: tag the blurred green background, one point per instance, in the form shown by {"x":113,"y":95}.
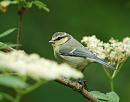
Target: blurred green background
{"x":103,"y":18}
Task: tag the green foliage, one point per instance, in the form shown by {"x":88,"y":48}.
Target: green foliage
{"x":12,"y":82}
{"x":113,"y":97}
{"x":23,"y":3}
{"x":7,"y":32}
{"x":7,"y":46}
{"x":38,"y":4}
{"x":9,"y":79}
{"x":108,"y":97}
{"x":16,"y":81}
{"x":99,"y":95}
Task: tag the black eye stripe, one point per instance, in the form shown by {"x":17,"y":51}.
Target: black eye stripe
{"x":59,"y":38}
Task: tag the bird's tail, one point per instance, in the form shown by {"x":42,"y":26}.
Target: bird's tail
{"x":106,"y":64}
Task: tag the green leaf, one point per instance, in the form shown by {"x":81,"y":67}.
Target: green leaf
{"x":15,"y":1}
{"x":108,"y":97}
{"x":41,"y":5}
{"x":7,"y":46}
{"x":113,"y":97}
{"x":7,"y":32}
{"x":29,"y":4}
{"x":12,"y":81}
{"x":99,"y":95}
{"x":4,"y":46}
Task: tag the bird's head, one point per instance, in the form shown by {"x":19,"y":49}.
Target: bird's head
{"x":59,"y":38}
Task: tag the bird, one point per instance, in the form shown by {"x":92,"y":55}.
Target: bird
{"x":69,"y":50}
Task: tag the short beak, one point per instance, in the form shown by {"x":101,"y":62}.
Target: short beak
{"x":51,"y":41}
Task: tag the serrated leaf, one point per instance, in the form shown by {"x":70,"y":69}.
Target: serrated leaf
{"x":12,"y":82}
{"x":113,"y":97}
{"x":100,"y":96}
{"x":41,"y":5}
{"x":7,"y":32}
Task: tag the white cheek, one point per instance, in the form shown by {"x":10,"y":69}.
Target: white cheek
{"x":64,"y":40}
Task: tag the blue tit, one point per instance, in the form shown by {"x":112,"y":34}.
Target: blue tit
{"x":67,"y":49}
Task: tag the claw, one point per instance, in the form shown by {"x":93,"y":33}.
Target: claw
{"x":83,"y":83}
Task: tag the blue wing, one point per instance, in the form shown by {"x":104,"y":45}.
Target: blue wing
{"x":85,"y":53}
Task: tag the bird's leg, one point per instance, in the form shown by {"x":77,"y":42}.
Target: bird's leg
{"x":83,"y":83}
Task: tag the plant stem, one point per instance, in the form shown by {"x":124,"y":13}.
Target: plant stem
{"x":107,"y":73}
{"x":20,"y":16}
{"x":116,"y":70}
{"x":20,"y":93}
{"x":21,"y":11}
{"x":114,"y":75}
{"x":33,"y":87}
{"x":7,"y":96}
{"x":111,"y":79}
{"x":18,"y":97}
{"x":112,"y":84}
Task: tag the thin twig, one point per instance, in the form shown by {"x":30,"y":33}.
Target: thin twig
{"x":77,"y":87}
{"x":21,"y":11}
{"x":19,"y":30}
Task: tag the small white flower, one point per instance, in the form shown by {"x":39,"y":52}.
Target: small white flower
{"x":126,"y":42}
{"x":94,"y":45}
{"x":114,"y":51}
{"x":35,"y":67}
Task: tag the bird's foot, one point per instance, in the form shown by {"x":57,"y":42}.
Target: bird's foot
{"x":83,"y":83}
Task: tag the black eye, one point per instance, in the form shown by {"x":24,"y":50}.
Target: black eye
{"x":59,"y":38}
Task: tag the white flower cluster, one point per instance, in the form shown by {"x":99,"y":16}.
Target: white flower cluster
{"x":114,"y":51}
{"x":35,"y":67}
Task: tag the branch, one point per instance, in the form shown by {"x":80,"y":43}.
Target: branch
{"x":77,"y":87}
